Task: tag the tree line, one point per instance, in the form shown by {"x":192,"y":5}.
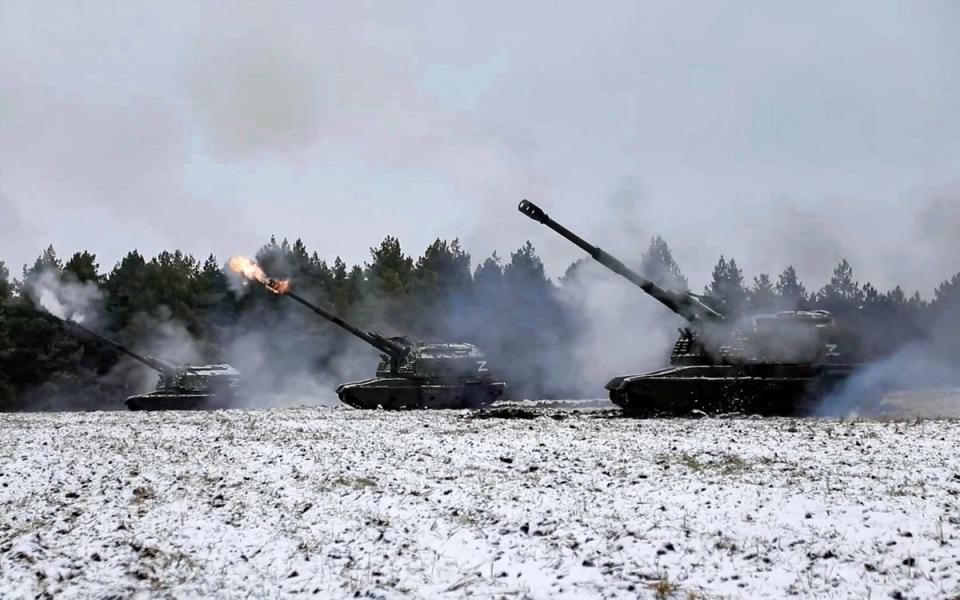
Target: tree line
{"x":507,"y":306}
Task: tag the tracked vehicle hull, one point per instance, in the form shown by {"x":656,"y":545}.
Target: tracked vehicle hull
{"x":762,"y":389}
{"x":397,"y":393}
{"x":173,"y":401}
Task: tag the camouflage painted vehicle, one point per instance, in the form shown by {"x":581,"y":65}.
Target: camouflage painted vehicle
{"x":777,"y":364}
{"x":416,"y":375}
{"x":180,"y":387}
{"x":193,"y":387}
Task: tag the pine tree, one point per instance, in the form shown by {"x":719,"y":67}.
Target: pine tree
{"x":525,"y":268}
{"x":302,"y":267}
{"x":6,"y":350}
{"x":948,"y":292}
{"x":574,"y":271}
{"x":216,"y":304}
{"x":530,"y":318}
{"x":362,"y":303}
{"x":356,"y":285}
{"x":276,"y":259}
{"x":443,"y":268}
{"x":174,"y":280}
{"x":843,"y":292}
{"x":916,"y":302}
{"x":945,"y":307}
{"x":322,"y":275}
{"x":762,"y":296}
{"x":385,"y":285}
{"x":48,"y":261}
{"x":39,"y":351}
{"x":726,"y":288}
{"x":83,"y":267}
{"x":896,"y":299}
{"x":791,"y":292}
{"x":871,"y":296}
{"x":489,"y":275}
{"x":340,"y":293}
{"x":658,"y":265}
{"x":6,"y":290}
{"x":442,"y":284}
{"x":390,"y":272}
{"x":212,"y":278}
{"x":6,"y":346}
{"x":127,"y":288}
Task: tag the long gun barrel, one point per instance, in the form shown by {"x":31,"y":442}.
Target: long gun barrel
{"x":378,"y":341}
{"x":685,"y":304}
{"x":155,"y":364}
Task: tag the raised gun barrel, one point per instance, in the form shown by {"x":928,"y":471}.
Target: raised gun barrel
{"x":156,"y":364}
{"x":376,"y":340}
{"x":685,"y":304}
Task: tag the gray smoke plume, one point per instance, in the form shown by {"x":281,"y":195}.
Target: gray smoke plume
{"x":917,"y":380}
{"x":289,"y":356}
{"x":66,"y":298}
{"x":620,"y":330}
{"x":282,"y":367}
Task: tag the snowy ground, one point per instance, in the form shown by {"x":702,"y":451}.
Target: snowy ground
{"x":440,"y":504}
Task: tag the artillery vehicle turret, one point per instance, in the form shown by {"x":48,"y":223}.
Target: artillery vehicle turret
{"x":776,"y":364}
{"x":416,"y":375}
{"x":179,"y":387}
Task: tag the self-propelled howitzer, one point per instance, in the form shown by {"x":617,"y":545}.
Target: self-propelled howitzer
{"x":179,"y":387}
{"x":417,"y":375}
{"x":776,"y":364}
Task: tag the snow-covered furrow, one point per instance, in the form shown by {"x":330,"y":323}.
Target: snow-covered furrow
{"x":567,"y":504}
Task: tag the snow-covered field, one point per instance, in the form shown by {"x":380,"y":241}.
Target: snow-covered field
{"x":442,"y":504}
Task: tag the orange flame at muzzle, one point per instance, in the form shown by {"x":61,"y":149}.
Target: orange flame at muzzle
{"x":252,"y":271}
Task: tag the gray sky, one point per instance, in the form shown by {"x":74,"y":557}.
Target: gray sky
{"x":774,"y":132}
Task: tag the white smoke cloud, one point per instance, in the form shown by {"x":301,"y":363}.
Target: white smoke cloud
{"x":66,"y":298}
{"x":623,"y":331}
{"x":287,"y":356}
{"x":917,"y":380}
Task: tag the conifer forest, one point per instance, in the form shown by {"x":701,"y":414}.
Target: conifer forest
{"x":529,"y":325}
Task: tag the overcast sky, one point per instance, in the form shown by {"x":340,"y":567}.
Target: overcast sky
{"x":777,"y":133}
